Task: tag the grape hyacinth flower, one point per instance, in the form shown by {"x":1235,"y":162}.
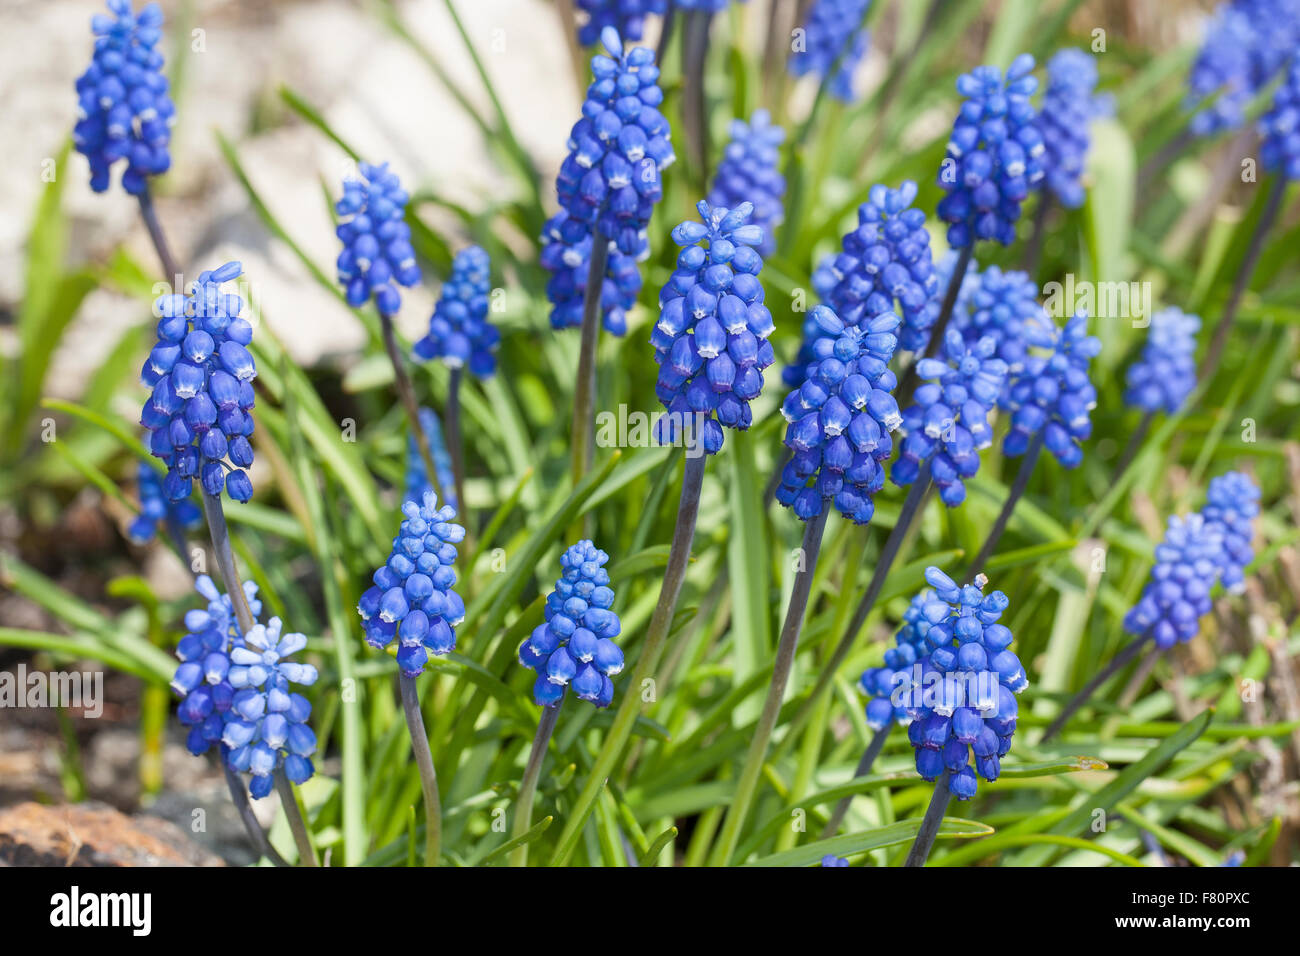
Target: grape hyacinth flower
{"x":1000,"y":304}
{"x":566,"y":255}
{"x":879,"y":683}
{"x":1068,"y":107}
{"x":947,"y":425}
{"x":156,"y":508}
{"x":962,"y":695}
{"x":377,"y":254}
{"x":994,"y":155}
{"x":1165,"y":374}
{"x":840,"y":419}
{"x":831,"y":859}
{"x":575,"y":646}
{"x":1231,"y":506}
{"x":1280,"y":126}
{"x":417,"y":478}
{"x":887,"y":262}
{"x":201,"y":373}
{"x":124,"y":108}
{"x":412,"y":597}
{"x":1053,"y":395}
{"x":749,"y":172}
{"x":711,"y":341}
{"x":834,"y":38}
{"x":625,"y":16}
{"x":824,"y":280}
{"x":459,"y":331}
{"x":1177,"y":595}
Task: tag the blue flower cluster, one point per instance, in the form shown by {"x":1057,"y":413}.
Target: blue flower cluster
{"x":412,"y":597}
{"x":1053,"y":394}
{"x":750,"y":172}
{"x":155,"y":508}
{"x":824,"y":280}
{"x":566,"y":254}
{"x":994,"y":155}
{"x":1280,"y":126}
{"x":1246,"y":43}
{"x":885,"y":261}
{"x":235,"y":691}
{"x":834,"y":32}
{"x":831,"y":859}
{"x":459,"y":331}
{"x":1177,"y":595}
{"x":1068,"y":107}
{"x":575,"y":646}
{"x":961,"y":694}
{"x":909,"y":648}
{"x":610,"y":180}
{"x":1231,"y":505}
{"x":708,"y":6}
{"x":625,"y":16}
{"x":840,"y":419}
{"x":124,"y":108}
{"x":202,"y":376}
{"x":711,"y":341}
{"x":1165,"y":374}
{"x":998,"y":304}
{"x":417,"y":478}
{"x":377,"y":254}
{"x":947,"y":425}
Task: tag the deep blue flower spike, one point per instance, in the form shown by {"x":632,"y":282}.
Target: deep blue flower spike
{"x":575,"y":645}
{"x":156,"y":509}
{"x":711,"y":341}
{"x":994,"y":156}
{"x":377,"y":255}
{"x":1280,"y":126}
{"x":1068,"y":108}
{"x":999,"y":304}
{"x":459,"y":331}
{"x":1177,"y":595}
{"x":417,"y":478}
{"x":879,"y":683}
{"x":625,"y":16}
{"x":750,"y":172}
{"x":947,"y":425}
{"x":201,"y":373}
{"x":1053,"y":395}
{"x":840,"y":419}
{"x":412,"y":597}
{"x":836,"y":861}
{"x":125,"y":111}
{"x":961,"y":696}
{"x":1165,"y":374}
{"x":1231,"y":506}
{"x":566,"y":254}
{"x":833,"y":32}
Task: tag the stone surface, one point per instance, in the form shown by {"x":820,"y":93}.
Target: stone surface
{"x":32,"y":834}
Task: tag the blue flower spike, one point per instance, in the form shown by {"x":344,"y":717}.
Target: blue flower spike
{"x":947,"y":425}
{"x":1068,"y":108}
{"x":750,"y":172}
{"x":999,"y":304}
{"x":831,"y":860}
{"x":1280,"y":126}
{"x":1053,"y":395}
{"x":1231,"y":506}
{"x":417,"y":477}
{"x":994,"y":156}
{"x":575,"y":645}
{"x":834,"y":32}
{"x":125,"y":110}
{"x":412,"y":597}
{"x":156,"y":509}
{"x":961,"y":695}
{"x":1177,"y":595}
{"x":841,"y":419}
{"x":1246,"y":43}
{"x":910,"y":648}
{"x":200,"y":411}
{"x":377,"y":255}
{"x":625,"y":16}
{"x":711,"y":341}
{"x":1165,"y":374}
{"x":459,"y":331}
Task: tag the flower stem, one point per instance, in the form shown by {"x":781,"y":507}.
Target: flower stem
{"x":584,"y":390}
{"x":406,"y":394}
{"x":1133,"y":447}
{"x":747,"y":785}
{"x":695,"y":50}
{"x":528,"y":785}
{"x":869,"y":756}
{"x":912,"y":506}
{"x":773,"y":483}
{"x":424,"y":761}
{"x":925,"y":836}
{"x":150,"y":216}
{"x":1017,"y":490}
{"x":941,"y":322}
{"x":289,"y":800}
{"x":665,"y":34}
{"x":1214,"y":355}
{"x":1118,"y":662}
{"x":225,"y":558}
{"x":607,"y":761}
{"x":1034,"y":248}
{"x":457,"y":443}
{"x":239,"y":797}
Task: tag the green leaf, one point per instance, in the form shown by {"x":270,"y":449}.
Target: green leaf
{"x":904,"y":831}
